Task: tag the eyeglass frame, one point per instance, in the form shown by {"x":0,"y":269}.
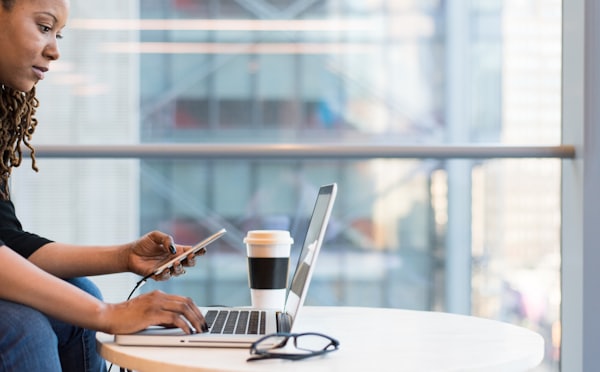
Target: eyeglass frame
{"x":268,"y":354}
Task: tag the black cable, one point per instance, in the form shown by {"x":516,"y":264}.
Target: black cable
{"x":138,"y":285}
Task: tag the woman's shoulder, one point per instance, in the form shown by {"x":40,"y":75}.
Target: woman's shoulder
{"x":7,"y":214}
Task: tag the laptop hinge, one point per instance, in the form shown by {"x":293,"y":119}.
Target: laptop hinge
{"x":284,"y":322}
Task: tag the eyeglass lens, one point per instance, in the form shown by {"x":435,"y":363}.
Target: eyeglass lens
{"x":304,"y":342}
{"x":311,"y":342}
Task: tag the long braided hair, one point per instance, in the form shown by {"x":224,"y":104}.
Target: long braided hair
{"x":17,"y":124}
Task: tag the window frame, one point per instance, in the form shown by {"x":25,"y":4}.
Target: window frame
{"x":580,"y":206}
{"x":580,"y":152}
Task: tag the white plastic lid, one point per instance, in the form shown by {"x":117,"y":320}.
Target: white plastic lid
{"x":268,"y":237}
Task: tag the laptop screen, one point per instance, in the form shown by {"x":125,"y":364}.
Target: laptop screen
{"x":310,"y":248}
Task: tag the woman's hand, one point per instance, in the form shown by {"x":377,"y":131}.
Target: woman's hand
{"x":153,"y":249}
{"x":154,"y":308}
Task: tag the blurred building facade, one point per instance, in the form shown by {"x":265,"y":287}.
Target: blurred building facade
{"x":320,"y":72}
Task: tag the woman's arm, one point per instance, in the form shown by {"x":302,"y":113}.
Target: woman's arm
{"x":24,"y":283}
{"x":141,"y":257}
{"x":69,"y":261}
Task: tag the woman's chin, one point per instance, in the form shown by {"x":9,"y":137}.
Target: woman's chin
{"x":21,"y":87}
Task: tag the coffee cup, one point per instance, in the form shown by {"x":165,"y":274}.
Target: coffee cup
{"x":268,"y":254}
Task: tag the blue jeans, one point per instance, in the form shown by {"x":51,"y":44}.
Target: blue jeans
{"x":32,"y":341}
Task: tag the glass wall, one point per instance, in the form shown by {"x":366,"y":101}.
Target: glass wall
{"x":379,"y":72}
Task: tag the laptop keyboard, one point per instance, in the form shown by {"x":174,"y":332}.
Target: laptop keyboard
{"x":239,"y":322}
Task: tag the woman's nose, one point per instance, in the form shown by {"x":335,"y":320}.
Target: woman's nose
{"x":51,"y":51}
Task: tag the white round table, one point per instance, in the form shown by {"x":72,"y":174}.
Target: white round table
{"x":371,"y":339}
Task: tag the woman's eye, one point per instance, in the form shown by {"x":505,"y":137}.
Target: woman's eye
{"x":45,"y":28}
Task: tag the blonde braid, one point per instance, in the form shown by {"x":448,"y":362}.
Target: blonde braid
{"x":17,"y":124}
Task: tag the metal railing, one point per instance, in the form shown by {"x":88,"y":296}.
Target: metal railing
{"x":306,"y":151}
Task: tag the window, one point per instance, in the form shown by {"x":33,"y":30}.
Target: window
{"x":429,"y":232}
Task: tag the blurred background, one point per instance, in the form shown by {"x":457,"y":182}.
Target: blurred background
{"x":472,"y":236}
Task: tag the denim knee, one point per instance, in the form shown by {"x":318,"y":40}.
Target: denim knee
{"x":28,"y":342}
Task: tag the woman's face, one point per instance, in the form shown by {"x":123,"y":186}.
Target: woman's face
{"x":29,"y":33}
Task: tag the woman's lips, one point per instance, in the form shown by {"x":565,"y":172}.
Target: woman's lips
{"x":39,"y":72}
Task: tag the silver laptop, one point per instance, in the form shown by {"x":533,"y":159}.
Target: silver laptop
{"x":239,"y":327}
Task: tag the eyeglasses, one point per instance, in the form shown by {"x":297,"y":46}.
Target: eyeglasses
{"x":305,"y":345}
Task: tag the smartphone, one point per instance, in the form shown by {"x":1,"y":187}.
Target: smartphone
{"x":195,"y":249}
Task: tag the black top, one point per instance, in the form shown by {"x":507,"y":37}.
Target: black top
{"x":12,"y":234}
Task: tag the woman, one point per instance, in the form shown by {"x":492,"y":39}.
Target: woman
{"x":48,"y":314}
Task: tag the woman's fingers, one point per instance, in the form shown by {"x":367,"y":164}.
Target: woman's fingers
{"x":178,"y":269}
{"x":164,"y":275}
{"x":185,"y":314}
{"x":163,"y":239}
{"x":160,"y":308}
{"x":190,"y":260}
{"x":175,"y":270}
